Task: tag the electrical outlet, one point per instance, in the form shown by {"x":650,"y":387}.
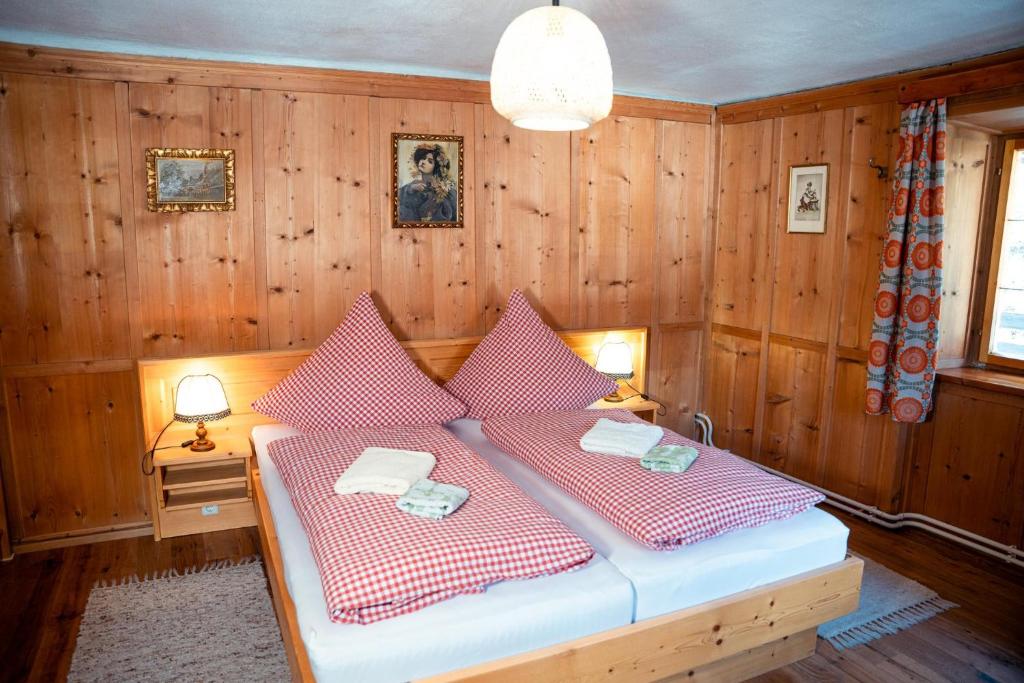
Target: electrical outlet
{"x":210,"y":510}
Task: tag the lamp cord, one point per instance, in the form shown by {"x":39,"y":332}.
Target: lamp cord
{"x":149,"y":454}
{"x":662,"y":409}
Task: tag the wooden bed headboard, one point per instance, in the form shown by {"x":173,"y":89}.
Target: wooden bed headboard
{"x":247,"y":376}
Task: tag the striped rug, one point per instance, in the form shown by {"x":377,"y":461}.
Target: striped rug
{"x":889,"y":603}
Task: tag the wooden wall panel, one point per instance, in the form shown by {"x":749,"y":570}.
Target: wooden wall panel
{"x":808,"y":417}
{"x":317,"y":185}
{"x":196,"y":269}
{"x":967,"y":153}
{"x":78,"y":444}
{"x":871,"y":130}
{"x":804,"y":275}
{"x":616,"y":233}
{"x":863,"y":458}
{"x":675,"y":375}
{"x":428,"y":278}
{"x":6,"y":463}
{"x":731,"y":401}
{"x":601,"y":228}
{"x":683,"y":171}
{"x":740,"y":292}
{"x":61,"y":251}
{"x":793,"y":409}
{"x":974,"y":472}
{"x":523,"y":217}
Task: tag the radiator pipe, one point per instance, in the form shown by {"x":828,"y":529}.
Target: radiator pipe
{"x":870,"y":513}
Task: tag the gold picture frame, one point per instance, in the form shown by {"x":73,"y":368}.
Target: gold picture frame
{"x":183,"y":179}
{"x":427,"y":173}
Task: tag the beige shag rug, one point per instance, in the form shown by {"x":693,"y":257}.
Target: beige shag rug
{"x":210,"y":624}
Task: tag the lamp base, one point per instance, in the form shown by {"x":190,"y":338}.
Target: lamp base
{"x":202,"y":444}
{"x":614,"y":398}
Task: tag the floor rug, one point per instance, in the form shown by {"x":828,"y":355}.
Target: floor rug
{"x":211,"y":624}
{"x":889,"y":603}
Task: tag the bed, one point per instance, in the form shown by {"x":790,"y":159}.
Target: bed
{"x":449,"y":635}
{"x":665,"y":581}
{"x":735,"y":636}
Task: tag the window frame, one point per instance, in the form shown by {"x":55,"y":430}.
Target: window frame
{"x":1010,"y":145}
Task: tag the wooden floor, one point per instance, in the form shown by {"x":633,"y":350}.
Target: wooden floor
{"x":43,"y":594}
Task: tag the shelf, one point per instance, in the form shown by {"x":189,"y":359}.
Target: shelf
{"x":633,"y":403}
{"x":204,"y":476}
{"x":980,"y":378}
{"x":183,"y":456}
{"x":184,"y":499}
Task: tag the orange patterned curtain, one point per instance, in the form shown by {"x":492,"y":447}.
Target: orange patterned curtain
{"x":905,"y":333}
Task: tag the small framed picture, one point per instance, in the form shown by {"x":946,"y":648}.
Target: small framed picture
{"x":808,"y":200}
{"x":426,"y":181}
{"x":180,"y":179}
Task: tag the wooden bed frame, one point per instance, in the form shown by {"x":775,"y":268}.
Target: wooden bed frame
{"x":729,"y":639}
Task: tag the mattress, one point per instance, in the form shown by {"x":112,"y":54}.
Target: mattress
{"x":509,"y":618}
{"x":665,"y":581}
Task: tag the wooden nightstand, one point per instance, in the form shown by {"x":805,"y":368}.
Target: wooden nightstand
{"x":198,"y":492}
{"x":644,"y":409}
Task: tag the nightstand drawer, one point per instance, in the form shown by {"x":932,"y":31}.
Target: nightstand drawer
{"x":191,"y":520}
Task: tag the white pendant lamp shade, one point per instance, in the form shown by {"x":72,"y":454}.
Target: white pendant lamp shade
{"x":551,"y":71}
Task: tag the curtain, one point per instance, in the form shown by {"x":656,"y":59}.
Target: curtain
{"x":905,"y":332}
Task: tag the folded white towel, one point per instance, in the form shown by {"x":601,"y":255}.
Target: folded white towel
{"x":621,"y":438}
{"x":385,"y":470}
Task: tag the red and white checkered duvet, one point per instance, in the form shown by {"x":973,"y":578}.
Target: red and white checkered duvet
{"x":717,"y":494}
{"x":378,"y":562}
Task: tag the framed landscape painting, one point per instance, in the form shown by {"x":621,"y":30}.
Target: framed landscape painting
{"x":808,"y":202}
{"x":179,"y":179}
{"x":426,"y":181}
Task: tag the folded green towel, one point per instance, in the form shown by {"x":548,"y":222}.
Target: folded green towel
{"x":669,"y":458}
{"x":432,"y":500}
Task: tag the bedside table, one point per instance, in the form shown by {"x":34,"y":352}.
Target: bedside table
{"x":198,"y":492}
{"x":644,"y":409}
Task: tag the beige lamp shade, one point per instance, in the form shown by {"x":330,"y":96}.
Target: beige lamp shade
{"x":551,"y":71}
{"x":615,"y":359}
{"x":200,"y":398}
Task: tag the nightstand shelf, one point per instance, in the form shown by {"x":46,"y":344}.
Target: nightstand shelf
{"x":199,"y":492}
{"x":642,"y":408}
{"x":197,"y":498}
{"x":186,"y":476}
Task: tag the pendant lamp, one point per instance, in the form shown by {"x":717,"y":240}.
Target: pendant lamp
{"x":551,"y":71}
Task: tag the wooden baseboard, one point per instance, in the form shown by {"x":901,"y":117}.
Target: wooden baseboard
{"x":131,"y":531}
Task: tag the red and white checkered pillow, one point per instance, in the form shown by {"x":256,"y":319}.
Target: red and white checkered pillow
{"x":359,"y":377}
{"x":522,"y":366}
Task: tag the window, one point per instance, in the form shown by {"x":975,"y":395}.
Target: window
{"x":1003,"y":342}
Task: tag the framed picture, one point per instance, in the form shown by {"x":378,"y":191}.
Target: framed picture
{"x":190,"y":179}
{"x":426,"y":183}
{"x":808,"y":200}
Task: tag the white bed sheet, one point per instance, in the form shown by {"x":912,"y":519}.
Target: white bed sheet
{"x":509,"y":618}
{"x":665,"y":581}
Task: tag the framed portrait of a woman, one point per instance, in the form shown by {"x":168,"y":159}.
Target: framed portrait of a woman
{"x":426,"y":180}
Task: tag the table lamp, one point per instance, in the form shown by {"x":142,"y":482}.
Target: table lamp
{"x":615,"y":361}
{"x":200,"y":398}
